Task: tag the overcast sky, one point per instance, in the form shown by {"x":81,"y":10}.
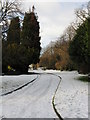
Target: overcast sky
{"x":53,"y":16}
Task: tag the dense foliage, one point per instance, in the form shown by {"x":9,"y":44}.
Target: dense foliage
{"x":88,"y":45}
{"x":22,"y":47}
{"x":78,"y":49}
{"x":13,"y":35}
{"x":30,"y":35}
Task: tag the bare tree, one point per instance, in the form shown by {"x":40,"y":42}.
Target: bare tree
{"x":8,"y":10}
{"x":84,"y":12}
{"x":88,"y":7}
{"x":81,"y":15}
{"x":70,"y":32}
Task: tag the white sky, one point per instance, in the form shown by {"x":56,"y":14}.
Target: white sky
{"x":54,"y":16}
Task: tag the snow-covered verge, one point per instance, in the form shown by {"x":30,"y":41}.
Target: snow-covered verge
{"x":72,"y":96}
{"x":10,"y":83}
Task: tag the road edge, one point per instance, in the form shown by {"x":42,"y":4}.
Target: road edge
{"x":53,"y":99}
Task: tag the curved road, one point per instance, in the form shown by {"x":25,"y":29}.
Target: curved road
{"x":32,"y":101}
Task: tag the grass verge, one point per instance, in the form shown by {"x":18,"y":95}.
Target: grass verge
{"x":84,"y":78}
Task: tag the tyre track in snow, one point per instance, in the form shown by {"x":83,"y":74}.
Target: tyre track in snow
{"x":53,"y":99}
{"x":22,"y":86}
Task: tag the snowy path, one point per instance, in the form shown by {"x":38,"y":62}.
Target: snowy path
{"x":33,"y":101}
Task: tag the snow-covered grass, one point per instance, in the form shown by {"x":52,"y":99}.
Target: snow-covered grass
{"x":72,"y":96}
{"x":10,"y":83}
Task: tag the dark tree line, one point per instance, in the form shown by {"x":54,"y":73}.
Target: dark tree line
{"x":22,"y":46}
{"x":79,"y":47}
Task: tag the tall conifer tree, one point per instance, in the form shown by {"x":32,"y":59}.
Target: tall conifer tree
{"x":13,"y":35}
{"x":79,"y":50}
{"x":30,"y":34}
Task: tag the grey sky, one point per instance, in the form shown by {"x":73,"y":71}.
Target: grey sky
{"x":54,"y":17}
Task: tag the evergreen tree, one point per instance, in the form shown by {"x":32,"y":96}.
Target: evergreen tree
{"x":13,"y":35}
{"x":18,"y":53}
{"x":30,"y":34}
{"x":78,"y":49}
{"x":89,"y":44}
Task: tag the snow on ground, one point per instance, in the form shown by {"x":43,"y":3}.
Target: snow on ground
{"x":0,"y":97}
{"x":72,"y":96}
{"x":35,"y":100}
{"x":0,"y":84}
{"x":9,"y":83}
{"x":45,"y":71}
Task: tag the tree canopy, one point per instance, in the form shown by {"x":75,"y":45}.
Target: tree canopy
{"x":30,"y":35}
{"x":13,"y":35}
{"x":78,"y":49}
{"x":22,"y":46}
